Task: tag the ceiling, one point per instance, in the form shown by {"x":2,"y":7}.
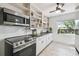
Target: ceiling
{"x":46,"y":7}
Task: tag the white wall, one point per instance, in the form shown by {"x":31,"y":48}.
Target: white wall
{"x":64,"y":38}
{"x":11,"y":6}
{"x":9,"y":31}
{"x":77,"y":36}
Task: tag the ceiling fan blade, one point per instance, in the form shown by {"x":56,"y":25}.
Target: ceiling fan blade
{"x":58,"y":7}
{"x":62,"y":10}
{"x":52,"y":11}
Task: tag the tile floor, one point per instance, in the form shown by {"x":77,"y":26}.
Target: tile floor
{"x":59,"y":49}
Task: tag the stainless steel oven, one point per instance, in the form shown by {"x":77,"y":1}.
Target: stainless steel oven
{"x":20,"y":46}
{"x":10,"y":17}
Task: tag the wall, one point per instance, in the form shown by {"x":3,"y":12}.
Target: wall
{"x":77,"y":36}
{"x":64,"y":38}
{"x":11,"y":6}
{"x":9,"y":31}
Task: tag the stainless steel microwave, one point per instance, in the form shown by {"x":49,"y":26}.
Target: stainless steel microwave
{"x":10,"y":17}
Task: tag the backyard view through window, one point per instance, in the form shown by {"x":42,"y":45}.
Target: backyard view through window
{"x":66,"y":26}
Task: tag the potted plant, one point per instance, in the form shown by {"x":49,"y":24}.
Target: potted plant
{"x":49,"y":29}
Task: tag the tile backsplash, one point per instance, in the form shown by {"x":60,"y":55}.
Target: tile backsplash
{"x":10,"y":31}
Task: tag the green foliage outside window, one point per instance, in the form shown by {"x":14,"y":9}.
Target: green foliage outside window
{"x":70,"y":25}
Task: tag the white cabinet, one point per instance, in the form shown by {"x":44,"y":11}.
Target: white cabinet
{"x":38,"y":45}
{"x":42,"y":42}
{"x":49,"y":38}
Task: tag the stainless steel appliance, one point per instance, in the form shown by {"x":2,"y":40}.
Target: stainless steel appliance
{"x":11,"y":17}
{"x":20,"y":46}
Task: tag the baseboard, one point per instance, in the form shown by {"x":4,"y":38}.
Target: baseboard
{"x":44,"y":48}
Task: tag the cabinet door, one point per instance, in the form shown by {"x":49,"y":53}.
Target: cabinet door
{"x":44,"y":41}
{"x":49,"y":38}
{"x":40,"y":44}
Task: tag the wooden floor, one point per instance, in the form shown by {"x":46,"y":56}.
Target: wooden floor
{"x":59,"y":49}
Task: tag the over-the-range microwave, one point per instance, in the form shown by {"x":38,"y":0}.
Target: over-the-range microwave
{"x":10,"y":17}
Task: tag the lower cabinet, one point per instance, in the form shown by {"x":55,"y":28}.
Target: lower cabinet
{"x":42,"y":42}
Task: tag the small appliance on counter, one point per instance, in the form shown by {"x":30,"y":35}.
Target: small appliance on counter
{"x":20,"y":46}
{"x":34,"y":32}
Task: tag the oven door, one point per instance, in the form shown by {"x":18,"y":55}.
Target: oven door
{"x":14,"y":19}
{"x":28,"y":51}
{"x":10,"y":19}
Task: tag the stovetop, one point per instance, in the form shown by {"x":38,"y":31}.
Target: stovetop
{"x":26,"y":38}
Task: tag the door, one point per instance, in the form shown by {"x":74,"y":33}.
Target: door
{"x":14,"y":19}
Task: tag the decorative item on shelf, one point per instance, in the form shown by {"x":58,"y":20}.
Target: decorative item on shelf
{"x":31,"y":13}
{"x":40,"y":21}
{"x":50,"y":29}
{"x":40,"y":25}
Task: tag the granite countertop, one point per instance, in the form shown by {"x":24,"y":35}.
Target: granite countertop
{"x":43,"y":33}
{"x":24,"y":37}
{"x":18,"y":38}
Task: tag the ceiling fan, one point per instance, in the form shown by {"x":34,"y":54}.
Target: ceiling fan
{"x":58,"y":7}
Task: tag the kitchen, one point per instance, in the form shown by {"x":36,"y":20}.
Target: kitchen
{"x":26,"y":29}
